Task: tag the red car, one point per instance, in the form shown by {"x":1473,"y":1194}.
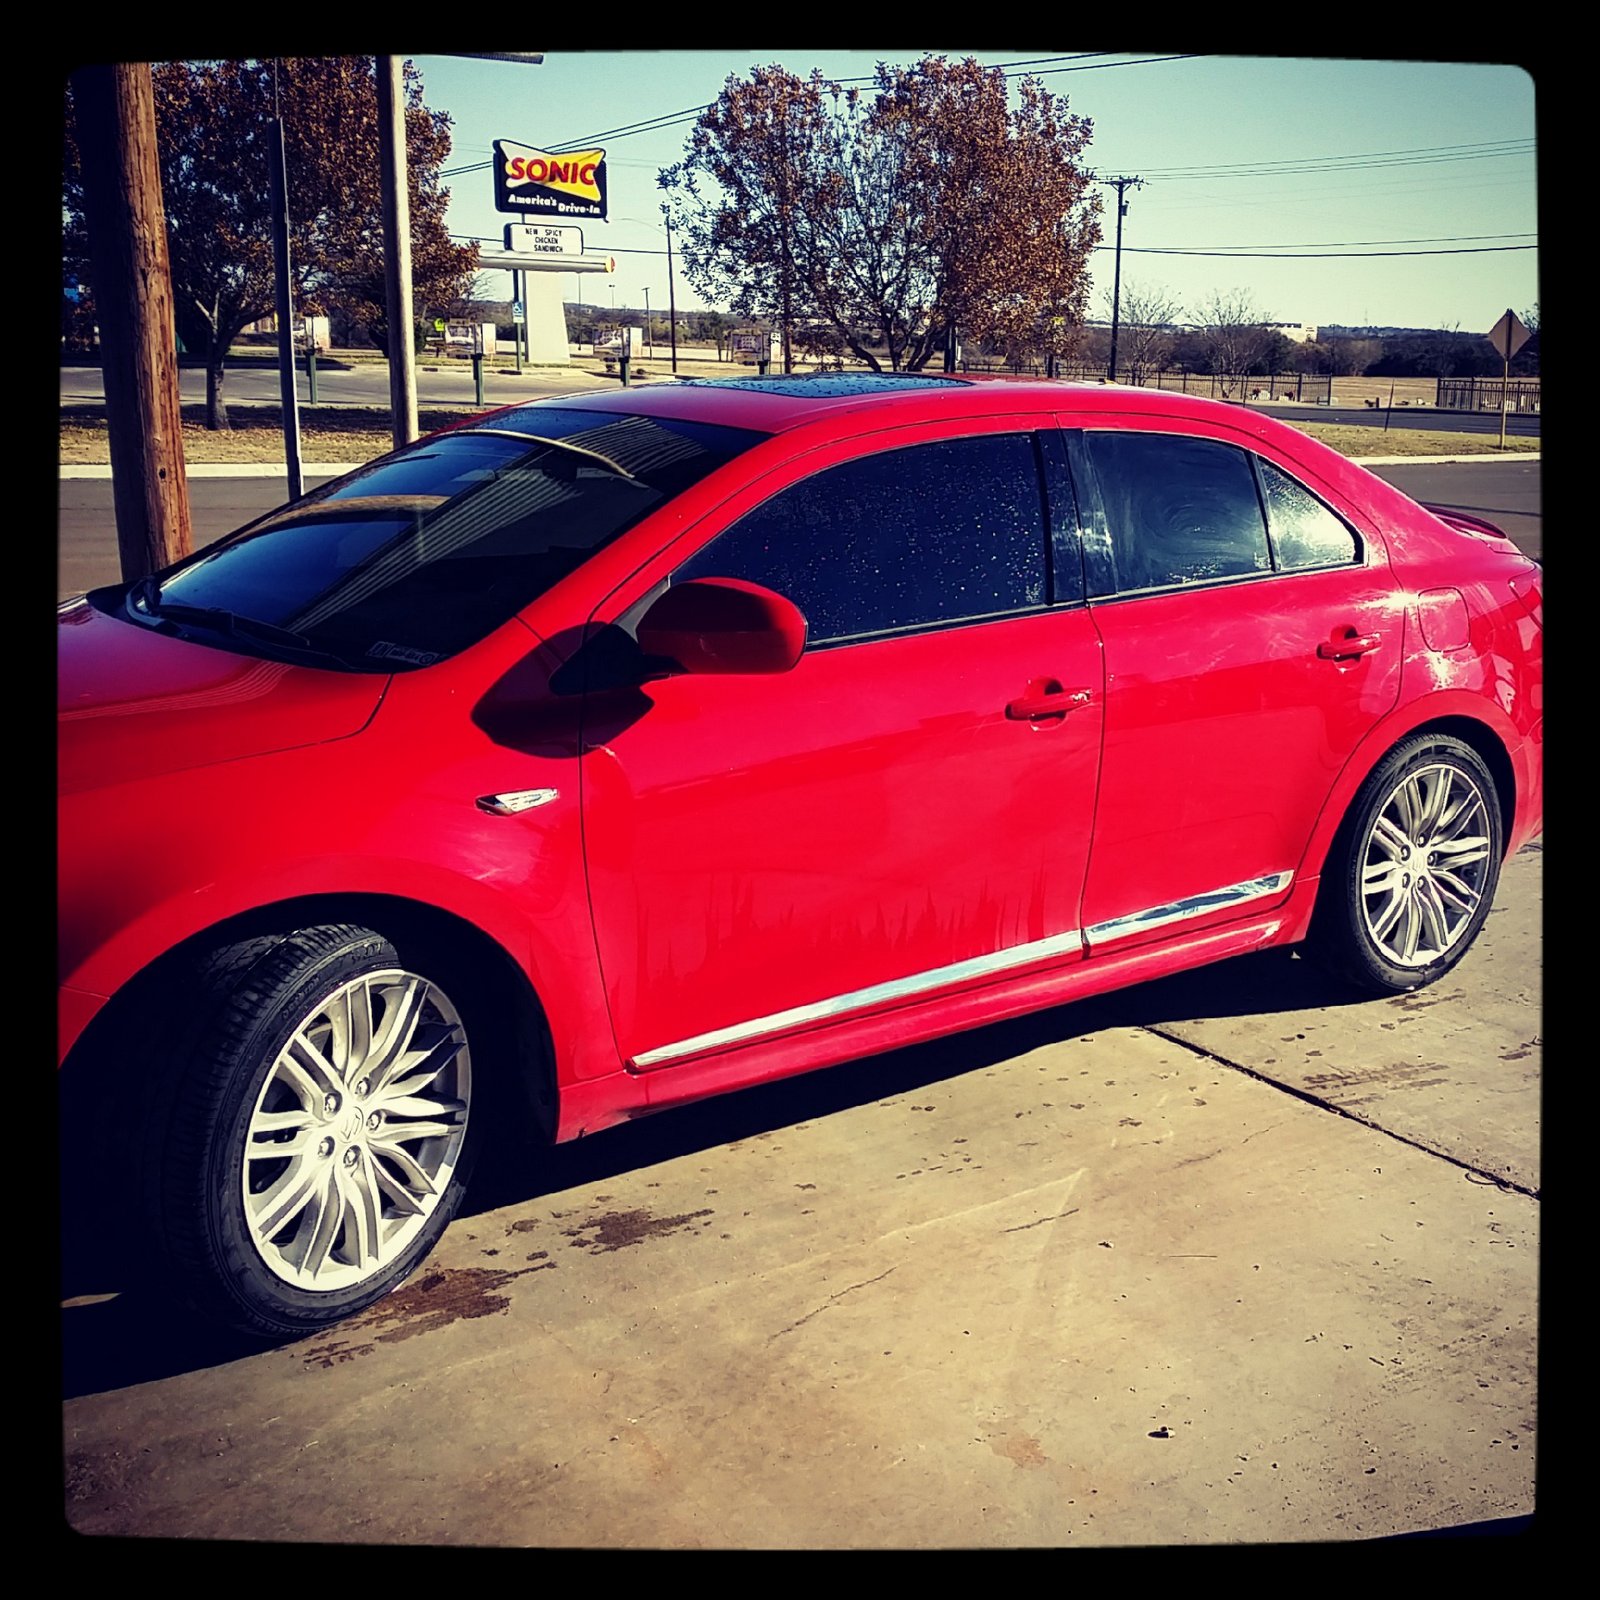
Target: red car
{"x":608,"y":752}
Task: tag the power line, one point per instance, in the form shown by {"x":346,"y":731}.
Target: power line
{"x":1220,"y":168}
{"x":1326,"y":255}
{"x":1342,"y":244}
{"x":1316,"y":164}
{"x":669,"y":119}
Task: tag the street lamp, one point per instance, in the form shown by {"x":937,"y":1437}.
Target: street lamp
{"x":672,"y":295}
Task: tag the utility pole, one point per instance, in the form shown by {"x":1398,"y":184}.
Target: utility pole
{"x":672,"y":294}
{"x":132,"y":285}
{"x":397,"y":247}
{"x":1121,"y":185}
{"x":283,"y":290}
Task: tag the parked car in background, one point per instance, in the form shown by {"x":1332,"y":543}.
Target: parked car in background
{"x":612,"y":751}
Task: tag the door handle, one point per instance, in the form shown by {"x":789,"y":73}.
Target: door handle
{"x":1352,"y":644}
{"x":1047,"y":703}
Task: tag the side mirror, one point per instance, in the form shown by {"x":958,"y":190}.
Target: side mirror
{"x":724,"y":625}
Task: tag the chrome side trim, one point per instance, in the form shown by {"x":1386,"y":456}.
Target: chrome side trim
{"x":858,"y":999}
{"x":1181,"y":910}
{"x":508,"y":805}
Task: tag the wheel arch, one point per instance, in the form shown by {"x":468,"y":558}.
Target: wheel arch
{"x":94,"y":1080}
{"x":1484,"y":738}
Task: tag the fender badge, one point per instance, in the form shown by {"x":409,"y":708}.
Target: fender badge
{"x":508,"y":805}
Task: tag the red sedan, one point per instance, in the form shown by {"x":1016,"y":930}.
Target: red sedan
{"x":609,"y":752}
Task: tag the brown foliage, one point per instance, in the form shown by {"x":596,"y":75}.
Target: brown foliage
{"x":892,"y":214}
{"x":213,"y":125}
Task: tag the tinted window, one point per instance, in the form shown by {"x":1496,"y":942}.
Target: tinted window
{"x":933,"y":533}
{"x":423,"y":553}
{"x":1178,"y":510}
{"x":1305,"y":533}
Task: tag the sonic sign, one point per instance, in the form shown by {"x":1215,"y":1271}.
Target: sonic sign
{"x":529,"y":182}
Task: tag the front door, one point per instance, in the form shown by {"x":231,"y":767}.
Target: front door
{"x":905,"y":811}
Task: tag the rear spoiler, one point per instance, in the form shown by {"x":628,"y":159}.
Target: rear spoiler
{"x":1477,"y":527}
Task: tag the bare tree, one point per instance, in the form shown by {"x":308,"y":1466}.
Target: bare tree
{"x":939,"y":198}
{"x":1232,"y":333}
{"x":1147,"y":326}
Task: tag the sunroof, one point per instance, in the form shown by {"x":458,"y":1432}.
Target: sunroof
{"x":830,"y":385}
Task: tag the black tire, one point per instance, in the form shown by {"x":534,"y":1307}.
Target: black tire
{"x":302,"y":1066}
{"x":1411,"y":877}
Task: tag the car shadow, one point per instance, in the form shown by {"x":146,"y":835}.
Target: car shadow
{"x":122,"y":1332}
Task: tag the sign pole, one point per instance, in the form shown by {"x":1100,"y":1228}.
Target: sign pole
{"x":283,"y":290}
{"x":1505,"y":376}
{"x":672,"y":298}
{"x":1507,"y":336}
{"x":396,"y":248}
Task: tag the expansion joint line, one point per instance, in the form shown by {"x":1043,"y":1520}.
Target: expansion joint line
{"x":1475,"y":1173}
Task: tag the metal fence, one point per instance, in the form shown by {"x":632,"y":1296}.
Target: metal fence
{"x":1305,"y":388}
{"x":1483,"y":394}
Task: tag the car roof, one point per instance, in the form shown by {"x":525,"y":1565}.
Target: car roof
{"x":778,"y":404}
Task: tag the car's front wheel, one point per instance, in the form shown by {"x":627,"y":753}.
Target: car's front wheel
{"x":1410,"y":883}
{"x":320,"y":1128}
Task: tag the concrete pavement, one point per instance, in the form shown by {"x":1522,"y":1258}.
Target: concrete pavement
{"x":1225,"y":1259}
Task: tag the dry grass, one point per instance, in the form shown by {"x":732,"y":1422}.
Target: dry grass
{"x":359,"y":433}
{"x":1353,"y":440}
{"x":327,"y":433}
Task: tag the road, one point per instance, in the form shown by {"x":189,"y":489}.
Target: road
{"x":365,"y":385}
{"x":1406,"y":417}
{"x":368,"y":384}
{"x":1505,"y":491}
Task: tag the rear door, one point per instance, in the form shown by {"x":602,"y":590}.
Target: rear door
{"x":1252,"y":638}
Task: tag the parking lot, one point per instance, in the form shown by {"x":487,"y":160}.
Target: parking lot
{"x":1226,"y":1258}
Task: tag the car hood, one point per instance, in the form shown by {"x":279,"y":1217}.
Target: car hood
{"x":134,"y":703}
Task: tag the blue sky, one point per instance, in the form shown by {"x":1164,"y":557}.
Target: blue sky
{"x":1331,"y":156}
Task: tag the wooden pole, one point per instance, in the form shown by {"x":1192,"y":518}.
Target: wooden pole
{"x":132,"y":286}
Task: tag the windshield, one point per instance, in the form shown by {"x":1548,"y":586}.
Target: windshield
{"x":422,"y":554}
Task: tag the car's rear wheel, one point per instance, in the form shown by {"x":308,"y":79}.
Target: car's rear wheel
{"x":320,"y":1129}
{"x":1412,"y":877}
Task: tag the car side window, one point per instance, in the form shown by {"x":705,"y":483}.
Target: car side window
{"x":916,"y":537}
{"x":1305,"y":533}
{"x":1178,"y":510}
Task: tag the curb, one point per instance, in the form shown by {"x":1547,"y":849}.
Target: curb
{"x":1435,"y":461}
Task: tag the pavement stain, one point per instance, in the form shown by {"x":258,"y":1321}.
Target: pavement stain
{"x":1399,"y":1075}
{"x":435,"y":1300}
{"x":1022,"y":1449}
{"x":1421,"y":1002}
{"x":616,"y":1230}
